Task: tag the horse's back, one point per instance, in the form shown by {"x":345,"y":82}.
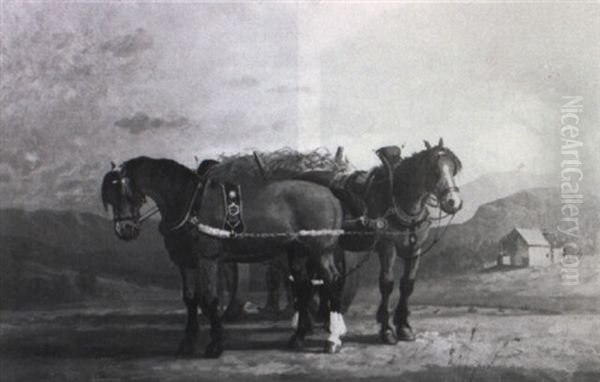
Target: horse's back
{"x":298,"y":205}
{"x":279,"y":207}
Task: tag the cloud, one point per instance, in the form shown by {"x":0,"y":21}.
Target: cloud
{"x":279,"y":125}
{"x":6,"y":173}
{"x":290,"y":89}
{"x":141,"y":122}
{"x":243,"y":82}
{"x":128,"y":45}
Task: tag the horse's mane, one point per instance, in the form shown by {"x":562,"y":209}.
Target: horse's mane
{"x":178,"y":177}
{"x":159,"y":165}
{"x":285,"y":163}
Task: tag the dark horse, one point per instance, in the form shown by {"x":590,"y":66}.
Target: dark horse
{"x":398,"y":193}
{"x":286,"y":207}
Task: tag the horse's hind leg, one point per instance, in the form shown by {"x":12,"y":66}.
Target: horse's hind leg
{"x":302,"y":289}
{"x":407,"y":282}
{"x":387,"y":258}
{"x":189,"y":278}
{"x":333,"y":289}
{"x":209,"y":303}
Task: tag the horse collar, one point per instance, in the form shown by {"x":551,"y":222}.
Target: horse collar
{"x":406,"y":220}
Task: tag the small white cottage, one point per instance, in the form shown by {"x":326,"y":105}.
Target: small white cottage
{"x":525,"y":248}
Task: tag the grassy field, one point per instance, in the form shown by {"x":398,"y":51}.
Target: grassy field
{"x":534,"y":289}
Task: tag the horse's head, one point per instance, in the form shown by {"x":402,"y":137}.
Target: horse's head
{"x":441,"y":166}
{"x":125,"y":199}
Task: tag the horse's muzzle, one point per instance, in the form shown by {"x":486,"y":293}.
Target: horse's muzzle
{"x":127,"y":229}
{"x":451,"y":203}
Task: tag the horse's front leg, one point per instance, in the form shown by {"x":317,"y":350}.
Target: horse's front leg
{"x":403,"y":330}
{"x":333,"y":283}
{"x":189,"y":277}
{"x":273,"y":279}
{"x":209,"y":303}
{"x":387,"y":258}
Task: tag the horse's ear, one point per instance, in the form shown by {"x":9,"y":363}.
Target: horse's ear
{"x":441,"y":142}
{"x":427,"y":144}
{"x":112,"y":165}
{"x":196,"y":159}
{"x":339,"y":155}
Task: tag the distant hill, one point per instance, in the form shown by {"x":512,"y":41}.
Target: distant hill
{"x":74,"y":231}
{"x":26,"y":284}
{"x":84,"y":242}
{"x":468,"y":246}
{"x":494,"y":186}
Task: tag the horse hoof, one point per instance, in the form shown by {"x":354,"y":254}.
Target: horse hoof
{"x":332,"y":347}
{"x":296,"y":343}
{"x":405,"y":333}
{"x":388,"y":337}
{"x":214,"y":349}
{"x":187,"y":347}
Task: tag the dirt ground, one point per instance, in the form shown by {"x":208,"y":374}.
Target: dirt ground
{"x":137,"y":343}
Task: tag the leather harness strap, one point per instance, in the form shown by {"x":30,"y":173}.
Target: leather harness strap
{"x":188,"y":210}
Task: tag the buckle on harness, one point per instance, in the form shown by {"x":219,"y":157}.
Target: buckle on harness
{"x":412,"y":238}
{"x":233,"y":209}
{"x":232,"y":198}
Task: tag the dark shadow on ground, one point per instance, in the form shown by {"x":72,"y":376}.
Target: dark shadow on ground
{"x":131,"y":336}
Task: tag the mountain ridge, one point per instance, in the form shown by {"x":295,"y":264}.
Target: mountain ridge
{"x":497,"y":185}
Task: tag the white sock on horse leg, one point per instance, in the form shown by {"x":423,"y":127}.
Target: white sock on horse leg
{"x":337,"y":327}
{"x":295,"y":319}
{"x":343,"y":329}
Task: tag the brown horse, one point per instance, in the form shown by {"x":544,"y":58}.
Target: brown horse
{"x":398,"y":194}
{"x":286,"y":207}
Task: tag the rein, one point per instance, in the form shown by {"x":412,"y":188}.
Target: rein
{"x":180,"y":222}
{"x":148,"y":214}
{"x":439,"y":235}
{"x":407,"y":221}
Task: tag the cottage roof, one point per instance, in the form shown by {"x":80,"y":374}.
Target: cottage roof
{"x":533,"y":237}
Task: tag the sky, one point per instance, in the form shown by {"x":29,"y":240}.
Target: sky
{"x":84,"y":83}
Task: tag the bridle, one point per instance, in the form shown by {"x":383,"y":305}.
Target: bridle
{"x":138,"y":218}
{"x":126,"y":191}
{"x":431,"y":199}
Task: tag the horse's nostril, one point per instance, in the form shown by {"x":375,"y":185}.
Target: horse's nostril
{"x":451,"y":203}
